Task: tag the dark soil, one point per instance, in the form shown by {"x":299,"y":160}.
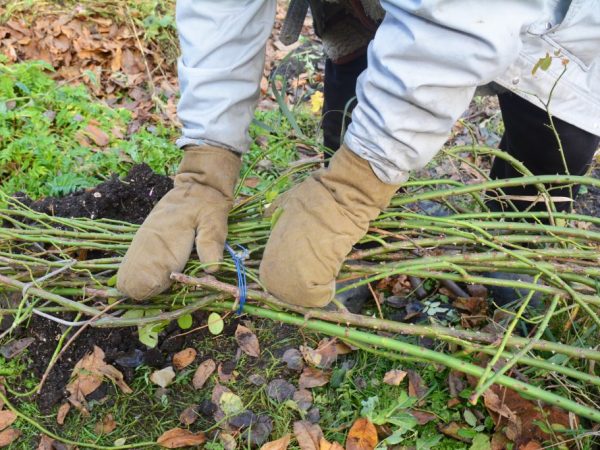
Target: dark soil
{"x":589,"y":202}
{"x":129,"y":199}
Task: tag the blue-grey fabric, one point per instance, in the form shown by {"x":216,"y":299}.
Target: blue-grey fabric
{"x":424,"y":64}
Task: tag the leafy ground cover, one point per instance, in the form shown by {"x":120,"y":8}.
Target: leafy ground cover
{"x":255,"y":380}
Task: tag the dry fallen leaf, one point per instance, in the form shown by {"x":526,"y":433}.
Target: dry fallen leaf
{"x":163,"y":377}
{"x":452,"y":429}
{"x":227,"y":441}
{"x":247,"y":341}
{"x":423,"y":417}
{"x":88,"y":375}
{"x":311,"y":378}
{"x":416,"y":386}
{"x":99,"y":137}
{"x":394,"y":377}
{"x":46,"y":443}
{"x":62,"y":413}
{"x":8,"y":436}
{"x":324,"y":444}
{"x":6,"y":419}
{"x":178,"y":437}
{"x":493,"y":403}
{"x":531,"y":445}
{"x":107,"y":425}
{"x":362,"y":435}
{"x":188,"y":416}
{"x":307,"y":434}
{"x":203,"y":373}
{"x":279,"y":444}
{"x":184,"y":358}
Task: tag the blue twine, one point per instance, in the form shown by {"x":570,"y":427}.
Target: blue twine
{"x":238,"y":260}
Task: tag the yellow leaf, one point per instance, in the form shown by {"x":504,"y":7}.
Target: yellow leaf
{"x":316,"y":102}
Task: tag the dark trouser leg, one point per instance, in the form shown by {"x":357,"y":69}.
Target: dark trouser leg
{"x":340,"y":89}
{"x":529,"y":139}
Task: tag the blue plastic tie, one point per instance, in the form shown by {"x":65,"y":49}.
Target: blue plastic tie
{"x":238,"y":260}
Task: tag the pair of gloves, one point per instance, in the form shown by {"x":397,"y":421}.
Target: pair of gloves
{"x":319,"y":222}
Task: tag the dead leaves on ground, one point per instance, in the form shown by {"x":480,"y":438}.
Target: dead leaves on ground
{"x":279,"y":444}
{"x":88,"y":375}
{"x":362,"y":435}
{"x":178,"y":438}
{"x":184,"y":358}
{"x":308,"y":435}
{"x":203,"y":373}
{"x":247,"y":341}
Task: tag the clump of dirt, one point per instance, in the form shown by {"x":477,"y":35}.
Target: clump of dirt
{"x":129,"y":199}
{"x":589,"y":202}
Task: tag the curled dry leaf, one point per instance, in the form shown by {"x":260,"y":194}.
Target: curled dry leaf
{"x":8,"y":436}
{"x":6,"y":419}
{"x":163,"y":377}
{"x":311,"y":378}
{"x":531,"y":445}
{"x":178,"y":438}
{"x":308,"y":435}
{"x":453,"y":429}
{"x":227,"y":441}
{"x":184,"y":358}
{"x":394,"y":377}
{"x":203,"y":373}
{"x":247,"y":341}
{"x":324,"y":444}
{"x":107,"y":425}
{"x":62,"y":413}
{"x":362,"y":435}
{"x":88,"y":375}
{"x":279,"y":444}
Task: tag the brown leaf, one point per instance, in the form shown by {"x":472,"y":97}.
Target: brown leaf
{"x":394,"y":377}
{"x":6,"y":419}
{"x":107,"y":425}
{"x":224,"y":376}
{"x":531,"y":445}
{"x":499,"y":441}
{"x":493,"y":404}
{"x":46,"y":443}
{"x":178,"y":437}
{"x":423,"y":417}
{"x":362,"y":435}
{"x":307,"y":434}
{"x":452,"y":430}
{"x":416,"y":386}
{"x":62,"y":413}
{"x":14,"y":348}
{"x":188,"y":416}
{"x":203,"y":373}
{"x":328,"y":351}
{"x":279,"y":444}
{"x":227,"y":441}
{"x":99,"y":136}
{"x":311,"y":378}
{"x":326,"y":445}
{"x":247,"y":341}
{"x":88,"y":375}
{"x":8,"y":436}
{"x":184,"y":358}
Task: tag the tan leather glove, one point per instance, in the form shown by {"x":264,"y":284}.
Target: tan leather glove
{"x":319,"y":221}
{"x":195,"y":209}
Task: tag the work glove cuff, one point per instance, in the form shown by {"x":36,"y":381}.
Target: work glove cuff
{"x":211,"y":166}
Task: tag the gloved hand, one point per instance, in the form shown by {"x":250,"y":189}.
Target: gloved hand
{"x":319,"y":221}
{"x":195,"y":209}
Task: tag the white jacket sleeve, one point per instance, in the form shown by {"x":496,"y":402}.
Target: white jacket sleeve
{"x":423,"y":66}
{"x":221,"y":64}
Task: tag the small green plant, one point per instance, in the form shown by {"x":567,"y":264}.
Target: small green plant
{"x":56,"y":139}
